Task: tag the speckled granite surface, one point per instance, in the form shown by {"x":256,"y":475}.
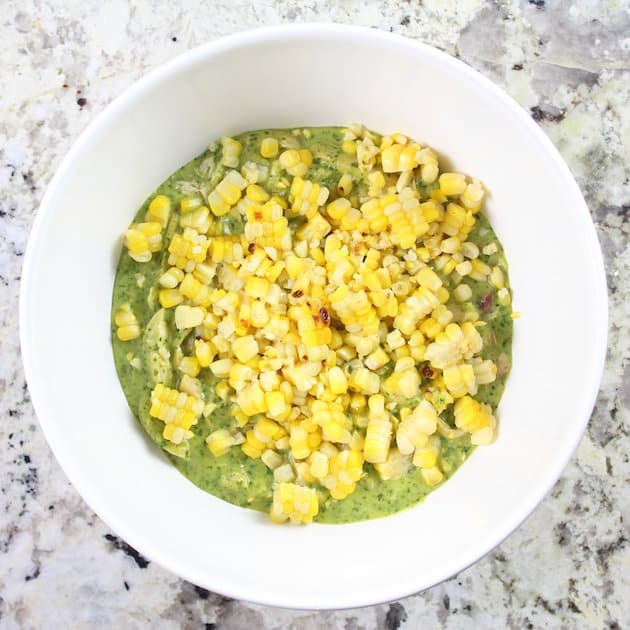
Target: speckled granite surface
{"x":567,"y":63}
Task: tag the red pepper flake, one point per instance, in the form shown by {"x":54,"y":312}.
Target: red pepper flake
{"x":251,"y":247}
{"x":427,"y":372}
{"x":486,"y":302}
{"x":325,"y":315}
{"x":298,"y":293}
{"x":258,"y":216}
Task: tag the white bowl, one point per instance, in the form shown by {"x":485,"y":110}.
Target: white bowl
{"x":283,"y":77}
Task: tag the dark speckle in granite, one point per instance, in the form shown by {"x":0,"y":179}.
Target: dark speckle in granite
{"x":396,"y":615}
{"x":127,"y":549}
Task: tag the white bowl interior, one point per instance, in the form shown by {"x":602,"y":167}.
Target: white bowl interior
{"x":312,"y":76}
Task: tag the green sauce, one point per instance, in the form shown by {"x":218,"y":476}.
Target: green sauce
{"x":235,"y":477}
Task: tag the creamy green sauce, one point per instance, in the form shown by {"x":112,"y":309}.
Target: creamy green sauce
{"x":235,"y":477}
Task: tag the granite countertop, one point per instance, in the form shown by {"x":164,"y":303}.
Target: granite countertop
{"x":567,"y":63}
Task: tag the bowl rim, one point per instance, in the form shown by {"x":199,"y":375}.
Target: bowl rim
{"x":242,"y":40}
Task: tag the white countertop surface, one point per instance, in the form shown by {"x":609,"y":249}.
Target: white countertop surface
{"x":567,"y":63}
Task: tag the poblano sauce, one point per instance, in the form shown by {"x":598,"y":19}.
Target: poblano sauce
{"x":235,"y":477}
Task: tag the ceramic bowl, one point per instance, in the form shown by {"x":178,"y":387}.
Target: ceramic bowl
{"x":302,"y":76}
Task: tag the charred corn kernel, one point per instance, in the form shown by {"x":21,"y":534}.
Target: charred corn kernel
{"x":143,"y":240}
{"x":344,"y":186}
{"x":219,"y":442}
{"x":298,"y":504}
{"x":269,"y":148}
{"x":452,"y":183}
{"x":159,"y":210}
{"x":188,"y":316}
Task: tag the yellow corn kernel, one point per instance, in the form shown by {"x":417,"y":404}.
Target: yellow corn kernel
{"x":432,"y":476}
{"x":189,"y":365}
{"x":269,"y":148}
{"x":379,"y":431}
{"x":299,"y":504}
{"x":188,"y":316}
{"x":219,"y":442}
{"x":170,"y":297}
{"x":256,"y":287}
{"x":271,"y":459}
{"x":257,"y":193}
{"x":319,"y":465}
{"x":337,"y":380}
{"x":171,"y":278}
{"x":159,"y":210}
{"x":363,"y":380}
{"x":175,"y":408}
{"x":349,"y":147}
{"x":452,"y":183}
{"x":344,"y":187}
{"x":395,"y":466}
{"x":276,"y":404}
{"x":251,"y":400}
{"x":127,"y":324}
{"x":205,"y":352}
{"x":231,"y":151}
{"x":245,"y":348}
{"x":188,"y":204}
